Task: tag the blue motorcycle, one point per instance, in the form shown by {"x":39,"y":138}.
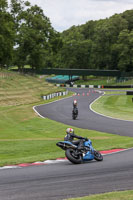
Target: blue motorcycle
{"x":76,"y":156}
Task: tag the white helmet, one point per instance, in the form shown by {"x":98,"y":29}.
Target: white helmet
{"x":75,"y":102}
{"x":69,"y":130}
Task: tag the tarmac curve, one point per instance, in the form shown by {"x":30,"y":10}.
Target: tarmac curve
{"x":61,"y":111}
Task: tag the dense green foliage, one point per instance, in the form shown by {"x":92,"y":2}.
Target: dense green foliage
{"x":6,"y":34}
{"x":27,"y":38}
{"x":102,"y":44}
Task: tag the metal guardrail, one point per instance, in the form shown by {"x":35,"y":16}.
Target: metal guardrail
{"x":94,"y":86}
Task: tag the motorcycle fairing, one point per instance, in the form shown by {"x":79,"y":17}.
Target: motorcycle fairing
{"x":88,"y":143}
{"x":89,"y":155}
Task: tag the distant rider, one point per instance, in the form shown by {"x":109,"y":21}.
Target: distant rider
{"x":75,"y":106}
{"x":70,"y":137}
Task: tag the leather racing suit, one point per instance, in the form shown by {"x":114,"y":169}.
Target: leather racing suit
{"x":70,"y":137}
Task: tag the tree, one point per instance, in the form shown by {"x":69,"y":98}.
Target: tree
{"x":125,"y":50}
{"x":6,"y":35}
{"x":75,"y":54}
{"x":103,"y":36}
{"x":128,"y":16}
{"x":35,"y":39}
{"x":74,"y":33}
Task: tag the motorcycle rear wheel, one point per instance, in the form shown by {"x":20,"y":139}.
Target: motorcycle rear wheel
{"x":98,"y":156}
{"x":74,"y":117}
{"x":73,"y":157}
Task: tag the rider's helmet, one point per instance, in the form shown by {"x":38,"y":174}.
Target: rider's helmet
{"x":75,"y":102}
{"x":69,"y":130}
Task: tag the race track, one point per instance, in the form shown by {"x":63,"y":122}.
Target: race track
{"x":61,"y":111}
{"x":65,"y":180}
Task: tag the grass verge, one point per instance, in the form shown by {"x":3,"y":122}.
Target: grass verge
{"x":124,"y":195}
{"x":117,"y":106}
{"x":93,"y":80}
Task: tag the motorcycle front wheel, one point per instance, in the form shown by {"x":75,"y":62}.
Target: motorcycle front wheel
{"x":98,"y":156}
{"x":73,"y":156}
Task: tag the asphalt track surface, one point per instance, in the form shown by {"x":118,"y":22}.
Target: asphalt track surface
{"x":61,"y":111}
{"x":65,"y":180}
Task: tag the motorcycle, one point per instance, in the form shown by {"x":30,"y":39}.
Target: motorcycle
{"x":74,"y":113}
{"x":76,"y":156}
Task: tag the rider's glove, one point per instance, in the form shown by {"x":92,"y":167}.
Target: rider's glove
{"x":86,"y":139}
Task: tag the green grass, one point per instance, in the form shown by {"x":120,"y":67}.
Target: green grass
{"x":115,"y":92}
{"x":123,"y":195}
{"x":117,"y":106}
{"x":92,"y":80}
{"x":17,"y":89}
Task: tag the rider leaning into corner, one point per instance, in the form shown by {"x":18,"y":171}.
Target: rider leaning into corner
{"x":70,"y":137}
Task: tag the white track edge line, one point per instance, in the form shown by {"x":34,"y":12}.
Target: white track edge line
{"x":47,"y":104}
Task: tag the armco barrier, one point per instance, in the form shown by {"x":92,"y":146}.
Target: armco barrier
{"x":56,"y":94}
{"x":94,"y":86}
{"x":119,"y":86}
{"x":79,"y":86}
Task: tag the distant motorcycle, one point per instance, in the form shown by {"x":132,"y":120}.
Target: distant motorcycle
{"x":74,"y":113}
{"x":79,"y":156}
